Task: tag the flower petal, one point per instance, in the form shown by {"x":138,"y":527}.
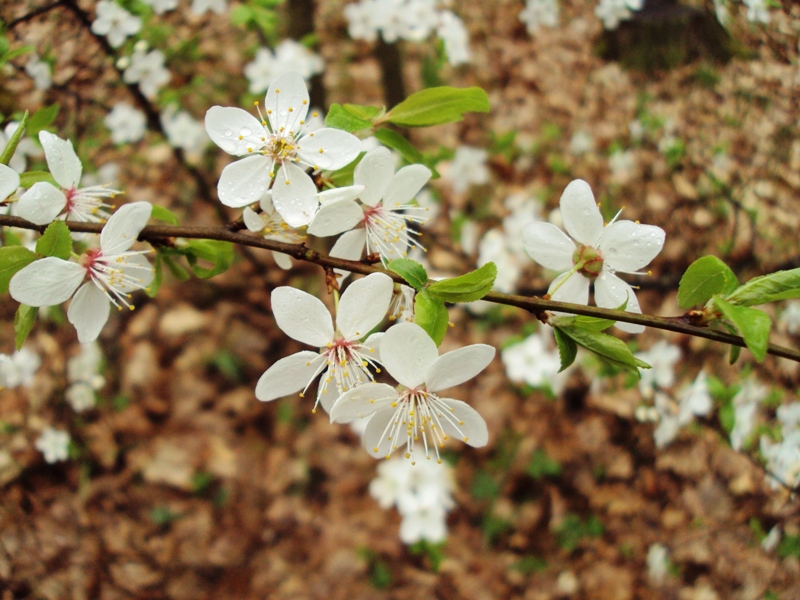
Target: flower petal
{"x":42,"y":203}
{"x":374,"y":172}
{"x":9,"y":182}
{"x":458,"y":366}
{"x":376,"y":435}
{"x":46,"y":282}
{"x":349,"y":246}
{"x":336,"y":217}
{"x":627,"y":246}
{"x":548,"y":245}
{"x":349,"y":192}
{"x":88,"y":312}
{"x":244,"y":181}
{"x":288,"y":376}
{"x":575,"y":289}
{"x":137,"y":270}
{"x":405,"y":184}
{"x":362,"y":401}
{"x":294,"y":195}
{"x":64,"y":164}
{"x":252,"y":220}
{"x":234,"y":130}
{"x":328,"y":149}
{"x":301,"y":316}
{"x":282,"y":260}
{"x":123,"y":227}
{"x":611,"y":292}
{"x":373,"y":342}
{"x":582,"y":218}
{"x":469,"y":427}
{"x":408,"y":352}
{"x":287,"y":102}
{"x":364,"y":305}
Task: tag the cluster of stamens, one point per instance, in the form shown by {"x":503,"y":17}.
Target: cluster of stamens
{"x":86,"y":204}
{"x":115,"y":275}
{"x":387,"y":229}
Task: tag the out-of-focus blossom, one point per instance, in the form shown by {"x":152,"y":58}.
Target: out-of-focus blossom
{"x":539,"y":13}
{"x":126,"y":123}
{"x":288,"y":56}
{"x":40,"y":72}
{"x":115,"y":23}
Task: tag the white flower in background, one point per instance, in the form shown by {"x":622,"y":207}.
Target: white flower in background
{"x":272,"y":226}
{"x":26,"y":147}
{"x":115,"y":23}
{"x":277,"y":148}
{"x":789,"y":417}
{"x":452,"y":31}
{"x":612,"y":12}
{"x":539,"y":13}
{"x":662,"y":357}
{"x":384,"y":210}
{"x":9,"y":182}
{"x":184,"y":131}
{"x":84,"y":377}
{"x":622,"y":164}
{"x":757,"y":11}
{"x":43,"y":202}
{"x":201,"y":7}
{"x":53,"y":444}
{"x":126,"y":123}
{"x":601,"y":252}
{"x":637,"y":130}
{"x":161,"y":6}
{"x":790,"y":317}
{"x":289,"y":56}
{"x":721,"y":11}
{"x":745,"y":404}
{"x":522,"y":210}
{"x":669,"y":424}
{"x":414,"y":413}
{"x":581,"y":143}
{"x":535,"y":361}
{"x":40,"y":72}
{"x":147,"y":70}
{"x":363,"y":20}
{"x":401,"y":307}
{"x":695,"y":400}
{"x":426,"y":199}
{"x":468,"y":168}
{"x":423,"y":519}
{"x":772,"y":539}
{"x":19,"y":368}
{"x":101,"y":277}
{"x":108,"y":173}
{"x":657,"y":563}
{"x":495,"y":247}
{"x":343,"y":357}
{"x":782,"y":460}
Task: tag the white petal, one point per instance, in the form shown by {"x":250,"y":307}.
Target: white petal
{"x":548,"y":245}
{"x":582,"y":218}
{"x":123,"y":227}
{"x":471,"y":424}
{"x":610,"y":292}
{"x":373,"y":342}
{"x":287,"y":92}
{"x":282,"y":260}
{"x":374,"y":172}
{"x":363,"y":305}
{"x":252,"y":220}
{"x":458,"y":366}
{"x":575,"y":289}
{"x":627,"y":246}
{"x":64,"y":164}
{"x":349,"y":246}
{"x":9,"y":182}
{"x":42,"y":203}
{"x":226,"y":125}
{"x":328,"y":149}
{"x":46,"y":282}
{"x":336,"y":217}
{"x":88,"y":312}
{"x":288,"y":376}
{"x":294,"y":195}
{"x":406,"y":183}
{"x":408,"y":352}
{"x":137,"y":268}
{"x":375,"y":435}
{"x":349,"y":192}
{"x":362,"y":401}
{"x":266,"y":203}
{"x":244,"y":181}
{"x":301,"y":316}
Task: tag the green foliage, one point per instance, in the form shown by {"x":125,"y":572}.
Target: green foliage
{"x":781,"y":285}
{"x":55,"y":241}
{"x":466,"y":288}
{"x":541,"y":466}
{"x":705,"y":277}
{"x":24,"y":319}
{"x":258,"y":15}
{"x":201,"y":482}
{"x":789,"y":546}
{"x":484,"y":486}
{"x":42,"y":119}
{"x":395,"y":141}
{"x":380,"y":573}
{"x":494,"y":527}
{"x":573,"y":530}
{"x":607,"y":347}
{"x":27,"y":179}
{"x":754,"y":326}
{"x":436,"y":106}
{"x":352,"y":117}
{"x":228,"y":364}
{"x":162,"y":516}
{"x":727,"y":415}
{"x":529,"y":565}
{"x":163,"y":214}
{"x":6,"y":53}
{"x":431,"y":314}
{"x":433,"y":552}
{"x":218,"y":254}
{"x":12,"y":259}
{"x":410,"y":270}
{"x":567,"y":349}
{"x":120,"y":402}
{"x":13,"y":142}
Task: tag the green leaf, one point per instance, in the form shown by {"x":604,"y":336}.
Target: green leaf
{"x":705,"y":277}
{"x":607,"y":347}
{"x":12,"y":259}
{"x":435,"y":106}
{"x":431,"y":314}
{"x":542,"y":466}
{"x":42,"y":119}
{"x":55,"y":241}
{"x":781,"y":285}
{"x":567,"y":348}
{"x":466,"y":288}
{"x":591,"y":323}
{"x":351,"y":117}
{"x":163,"y":214}
{"x":395,"y":141}
{"x":177,"y":270}
{"x":13,"y":142}
{"x":23,"y":322}
{"x":219,"y":254}
{"x":27,"y":180}
{"x":754,"y":326}
{"x":735,"y":350}
{"x":410,"y":270}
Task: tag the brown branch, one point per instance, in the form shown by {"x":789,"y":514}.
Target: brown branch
{"x":34,"y":13}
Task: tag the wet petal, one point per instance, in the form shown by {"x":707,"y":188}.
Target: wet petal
{"x":408,"y":352}
{"x":627,"y":246}
{"x":376,"y":440}
{"x":288,"y":376}
{"x":46,"y":282}
{"x":252,"y":220}
{"x":328,"y":149}
{"x":575,"y":289}
{"x":364,"y":305}
{"x":244,"y":181}
{"x":9,"y":182}
{"x":234,"y":130}
{"x":582,"y":218}
{"x":294,"y":195}
{"x":336,"y":217}
{"x":406,"y":183}
{"x":64,"y":164}
{"x":124,"y":226}
{"x":301,"y":316}
{"x":286,"y":102}
{"x":138,"y":270}
{"x":349,"y":192}
{"x":349,"y":246}
{"x":282,"y":260}
{"x":362,"y":401}
{"x":88,"y":312}
{"x":373,"y":342}
{"x":548,"y":245}
{"x":374,"y":172}
{"x":469,"y":427}
{"x":611,"y":292}
{"x":42,"y":203}
{"x":458,"y":366}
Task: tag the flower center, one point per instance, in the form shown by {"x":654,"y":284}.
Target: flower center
{"x":348,"y":363}
{"x":281,"y":147}
{"x":588,"y":261}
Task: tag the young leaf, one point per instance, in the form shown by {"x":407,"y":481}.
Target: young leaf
{"x":351,"y":117}
{"x":567,"y":348}
{"x":55,"y":241}
{"x":13,"y":142}
{"x":12,"y":259}
{"x":735,"y":350}
{"x":781,"y":285}
{"x":591,"y":323}
{"x":177,"y":270}
{"x":466,"y":288}
{"x":24,"y":319}
{"x":753,"y":325}
{"x":163,"y":214}
{"x":219,"y":254}
{"x":704,"y":278}
{"x":609,"y":348}
{"x":435,"y":106}
{"x":431,"y":314}
{"x":410,"y":270}
{"x":27,"y":180}
{"x":42,"y":118}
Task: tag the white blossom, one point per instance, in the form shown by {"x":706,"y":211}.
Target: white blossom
{"x":790,"y":317}
{"x":184,"y":131}
{"x":363,"y":20}
{"x":745,"y":404}
{"x":782,"y":460}
{"x":127,"y":124}
{"x":539,"y":13}
{"x":495,"y":247}
{"x":84,"y":377}
{"x":147,"y":70}
{"x":468,"y":168}
{"x":623,"y":165}
{"x":581,"y":143}
{"x":535,"y":361}
{"x":271,"y":225}
{"x":115,"y":23}
{"x":26,"y":147}
{"x":19,"y":368}
{"x":657,"y":563}
{"x":201,"y":7}
{"x":452,"y":31}
{"x":612,"y":12}
{"x":287,"y":57}
{"x":40,"y":72}
{"x":757,"y":11}
{"x":721,"y":11}
{"x":772,"y":539}
{"x":9,"y":181}
{"x":53,"y":444}
{"x":161,"y":6}
{"x":662,"y":357}
{"x":789,"y":417}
